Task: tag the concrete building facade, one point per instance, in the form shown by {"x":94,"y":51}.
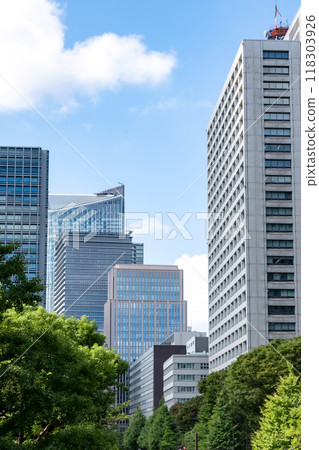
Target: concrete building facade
{"x":182,"y":373}
{"x":146,"y":374}
{"x":253,"y":145}
{"x":146,"y":381}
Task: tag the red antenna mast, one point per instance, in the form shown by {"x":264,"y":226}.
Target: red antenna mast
{"x":277,"y":33}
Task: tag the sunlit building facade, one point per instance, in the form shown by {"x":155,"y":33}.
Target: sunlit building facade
{"x":253,"y":157}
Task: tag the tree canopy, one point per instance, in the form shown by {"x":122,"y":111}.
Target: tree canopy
{"x":133,"y":431}
{"x":280,"y":425}
{"x":55,"y":378}
{"x":232,"y":398}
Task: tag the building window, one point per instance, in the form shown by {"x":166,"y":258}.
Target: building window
{"x":278,"y":179}
{"x":279,"y":227}
{"x":274,"y":85}
{"x":278,"y":211}
{"x":204,"y":365}
{"x":185,"y":388}
{"x":278,"y":195}
{"x":280,"y":276}
{"x":185,"y":365}
{"x":186,"y":377}
{"x":281,"y":293}
{"x":278,"y":163}
{"x":278,"y":148}
{"x":279,"y":243}
{"x":278,"y":326}
{"x":277,"y":131}
{"x":280,"y":260}
{"x":276,"y":101}
{"x":268,"y":54}
{"x":282,"y":70}
{"x":276,"y":116}
{"x":282,"y":310}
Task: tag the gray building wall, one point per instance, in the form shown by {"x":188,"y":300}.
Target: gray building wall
{"x":240,"y":291}
{"x":182,"y":374}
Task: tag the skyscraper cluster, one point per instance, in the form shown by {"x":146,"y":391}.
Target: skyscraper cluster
{"x":80,"y":248}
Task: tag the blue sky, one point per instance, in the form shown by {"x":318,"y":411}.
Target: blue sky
{"x":142,"y":125}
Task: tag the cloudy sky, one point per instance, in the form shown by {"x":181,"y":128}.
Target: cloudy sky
{"x":122,"y":91}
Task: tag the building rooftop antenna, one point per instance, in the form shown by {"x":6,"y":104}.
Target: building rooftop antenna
{"x":277,"y":33}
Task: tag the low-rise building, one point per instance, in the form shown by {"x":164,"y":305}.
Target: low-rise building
{"x":183,"y":372}
{"x":147,"y":378}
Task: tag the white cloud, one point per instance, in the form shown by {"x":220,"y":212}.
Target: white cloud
{"x":195,"y":289}
{"x":35,"y":62}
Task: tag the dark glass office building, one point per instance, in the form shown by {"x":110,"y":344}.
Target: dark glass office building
{"x":24,"y":204}
{"x":82,"y":262}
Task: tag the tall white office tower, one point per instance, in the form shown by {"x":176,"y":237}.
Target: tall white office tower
{"x":253,"y":148}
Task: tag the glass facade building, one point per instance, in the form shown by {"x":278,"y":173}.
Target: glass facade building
{"x":145,"y":306}
{"x":82,"y":262}
{"x":24,"y":204}
{"x":97,"y":213}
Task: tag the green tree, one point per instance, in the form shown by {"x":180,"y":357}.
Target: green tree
{"x":252,"y":378}
{"x":143,"y":437}
{"x":132,"y":433}
{"x":61,"y":377}
{"x":161,"y":420}
{"x":169,"y":440}
{"x":185,"y":415}
{"x":242,"y":389}
{"x":80,"y":437}
{"x":221,"y":430}
{"x":280,"y":425}
{"x":211,"y":388}
{"x":16,"y":290}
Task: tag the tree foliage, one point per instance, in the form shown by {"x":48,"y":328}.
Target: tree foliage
{"x":132,"y":433}
{"x":232,"y":398}
{"x":55,"y":376}
{"x":185,"y":415}
{"x":16,"y":290}
{"x":280,"y":425}
{"x":161,"y":420}
{"x":222,"y":432}
{"x":143,"y":437}
{"x":169,"y":440}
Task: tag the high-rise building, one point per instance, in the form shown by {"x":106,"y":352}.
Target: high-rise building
{"x":97,"y":213}
{"x":145,"y":305}
{"x":24,"y":204}
{"x":82,"y":262}
{"x":253,"y":144}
